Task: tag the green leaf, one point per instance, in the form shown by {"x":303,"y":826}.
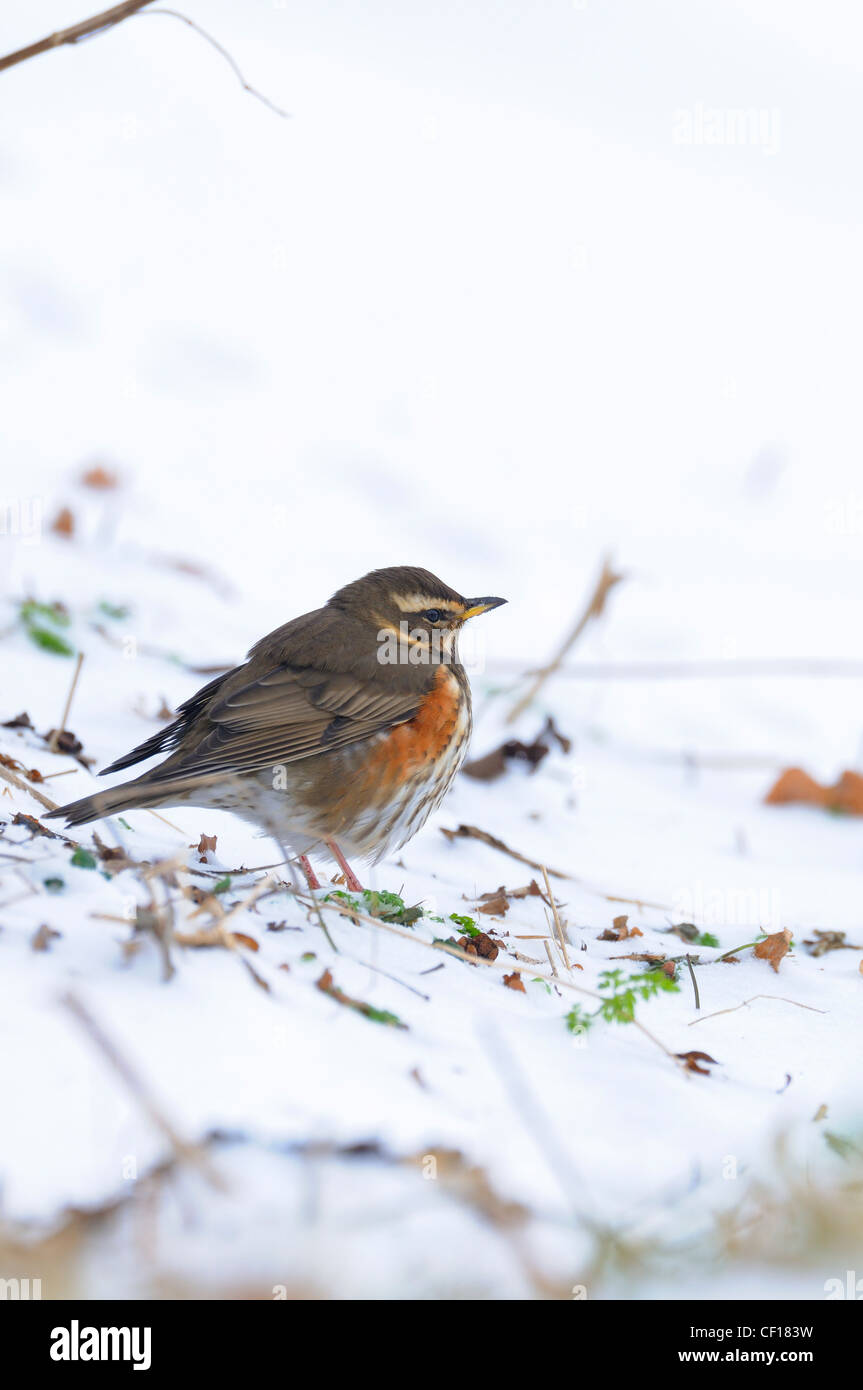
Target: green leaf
{"x":53,"y":885}
{"x":49,"y":641}
{"x":383,"y":1016}
{"x":30,"y":610}
{"x":467,"y":924}
{"x":223,"y":884}
{"x":578,"y":1020}
{"x":83,"y":859}
{"x":706,"y":939}
{"x":114,"y":610}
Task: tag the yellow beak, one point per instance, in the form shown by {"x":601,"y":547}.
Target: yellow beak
{"x":480,"y":605}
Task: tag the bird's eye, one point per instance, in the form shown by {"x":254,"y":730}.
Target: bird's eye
{"x":432,"y":615}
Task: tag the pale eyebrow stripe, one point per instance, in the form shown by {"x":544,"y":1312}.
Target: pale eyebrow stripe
{"x":415,"y":603}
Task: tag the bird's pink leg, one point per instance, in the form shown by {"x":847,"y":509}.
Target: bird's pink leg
{"x":311,"y":876}
{"x":350,"y":877}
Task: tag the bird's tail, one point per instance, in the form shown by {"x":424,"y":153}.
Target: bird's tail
{"x":130,"y":796}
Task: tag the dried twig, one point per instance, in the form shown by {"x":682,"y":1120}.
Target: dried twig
{"x":473,"y":832}
{"x":688,"y":960}
{"x":558,"y":925}
{"x":97,"y":24}
{"x":55,"y":733}
{"x":781,"y":997}
{"x":26,"y":787}
{"x":608,"y":577}
{"x":246,"y":86}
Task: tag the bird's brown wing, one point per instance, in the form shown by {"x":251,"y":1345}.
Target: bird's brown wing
{"x":286,"y":714}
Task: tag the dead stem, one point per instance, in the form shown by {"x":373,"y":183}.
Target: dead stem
{"x":61,"y":729}
{"x":608,"y":577}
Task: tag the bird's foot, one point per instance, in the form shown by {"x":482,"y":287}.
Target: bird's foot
{"x":311,"y":876}
{"x":350,"y":877}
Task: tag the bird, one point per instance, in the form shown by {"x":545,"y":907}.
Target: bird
{"x":339,"y":735}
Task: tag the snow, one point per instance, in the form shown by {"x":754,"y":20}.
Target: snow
{"x":472,"y":308}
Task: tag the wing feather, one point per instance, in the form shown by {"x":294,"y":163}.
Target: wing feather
{"x":287,"y":714}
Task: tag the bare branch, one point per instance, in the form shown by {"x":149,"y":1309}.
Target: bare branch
{"x":107,"y":19}
{"x":99,"y":22}
{"x":233,"y":65}
{"x":608,"y":577}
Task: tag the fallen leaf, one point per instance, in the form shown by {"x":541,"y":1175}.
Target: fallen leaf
{"x":31,"y":773}
{"x":102,"y":479}
{"x":42,"y":938}
{"x":530,"y":890}
{"x":796,"y":786}
{"x":692,"y":1060}
{"x":829,"y":941}
{"x":847,"y":795}
{"x":63,"y":523}
{"x":495,"y":904}
{"x":773,"y":948}
{"x":21,"y":721}
{"x":494,"y":764}
{"x":514,"y":981}
{"x":619,"y":930}
{"x":242,"y":940}
{"x":205,"y":846}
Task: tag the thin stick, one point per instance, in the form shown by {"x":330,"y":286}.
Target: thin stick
{"x":26,"y":787}
{"x":232,"y":64}
{"x":594,"y":609}
{"x":557,"y":922}
{"x":46,"y":776}
{"x":550,"y":957}
{"x":55,"y":733}
{"x":473,"y":832}
{"x":781,"y":997}
{"x":688,"y":960}
{"x":164,"y":820}
{"x":97,"y":24}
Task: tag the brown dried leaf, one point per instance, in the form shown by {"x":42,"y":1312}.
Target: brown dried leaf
{"x":619,"y":930}
{"x":795,"y":785}
{"x":63,"y":523}
{"x":830,"y":941}
{"x":21,"y":721}
{"x":205,"y":846}
{"x":242,"y":940}
{"x":495,"y":904}
{"x":102,"y":479}
{"x":42,"y":938}
{"x":847,"y":795}
{"x":773,"y":948}
{"x":514,"y":981}
{"x":692,"y":1060}
{"x":494,"y":764}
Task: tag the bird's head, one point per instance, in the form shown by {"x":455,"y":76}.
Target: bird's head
{"x":410,"y":606}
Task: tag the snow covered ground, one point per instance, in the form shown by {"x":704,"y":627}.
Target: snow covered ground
{"x":474,"y":307}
